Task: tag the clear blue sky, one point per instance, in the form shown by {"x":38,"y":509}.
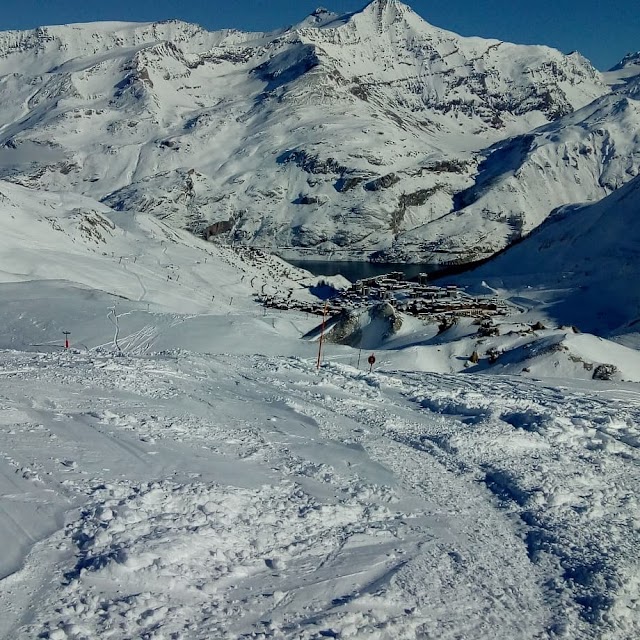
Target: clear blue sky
{"x":602,"y":31}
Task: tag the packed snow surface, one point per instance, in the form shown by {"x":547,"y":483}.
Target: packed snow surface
{"x":197,"y":496}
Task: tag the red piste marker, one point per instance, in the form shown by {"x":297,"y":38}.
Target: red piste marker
{"x":371,"y":360}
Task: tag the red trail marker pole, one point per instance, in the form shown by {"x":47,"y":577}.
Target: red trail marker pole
{"x":66,"y":338}
{"x":324,"y":318}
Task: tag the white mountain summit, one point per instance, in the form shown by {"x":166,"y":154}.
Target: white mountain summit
{"x":373,"y":133}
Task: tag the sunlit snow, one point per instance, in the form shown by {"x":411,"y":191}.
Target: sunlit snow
{"x":190,"y":473}
{"x":189,"y":468}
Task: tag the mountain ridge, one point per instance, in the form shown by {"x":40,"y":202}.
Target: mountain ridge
{"x":359,"y":133}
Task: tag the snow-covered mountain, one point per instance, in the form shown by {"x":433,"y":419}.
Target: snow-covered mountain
{"x":189,"y":468}
{"x":374,"y":133}
{"x":588,"y":256}
{"x":579,"y":158}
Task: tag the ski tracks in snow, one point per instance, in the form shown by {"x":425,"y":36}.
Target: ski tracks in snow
{"x":556,"y":468}
{"x":234,"y":497}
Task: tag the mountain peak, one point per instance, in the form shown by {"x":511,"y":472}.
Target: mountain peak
{"x":630,"y":60}
{"x":319,"y":18}
{"x":385,"y":12}
{"x":381,"y":4}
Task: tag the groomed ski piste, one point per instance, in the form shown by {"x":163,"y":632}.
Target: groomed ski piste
{"x":185,"y":470}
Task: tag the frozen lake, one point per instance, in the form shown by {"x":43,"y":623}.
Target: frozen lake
{"x":354,"y":271}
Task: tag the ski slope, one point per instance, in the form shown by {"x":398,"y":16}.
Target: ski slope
{"x":185,"y":470}
{"x":198,"y":496}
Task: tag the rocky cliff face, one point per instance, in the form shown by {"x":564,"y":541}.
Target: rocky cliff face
{"x":372,"y":135}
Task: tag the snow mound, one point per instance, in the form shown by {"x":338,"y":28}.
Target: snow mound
{"x":572,"y":356}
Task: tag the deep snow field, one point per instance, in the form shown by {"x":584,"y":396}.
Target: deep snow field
{"x":185,"y":470}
